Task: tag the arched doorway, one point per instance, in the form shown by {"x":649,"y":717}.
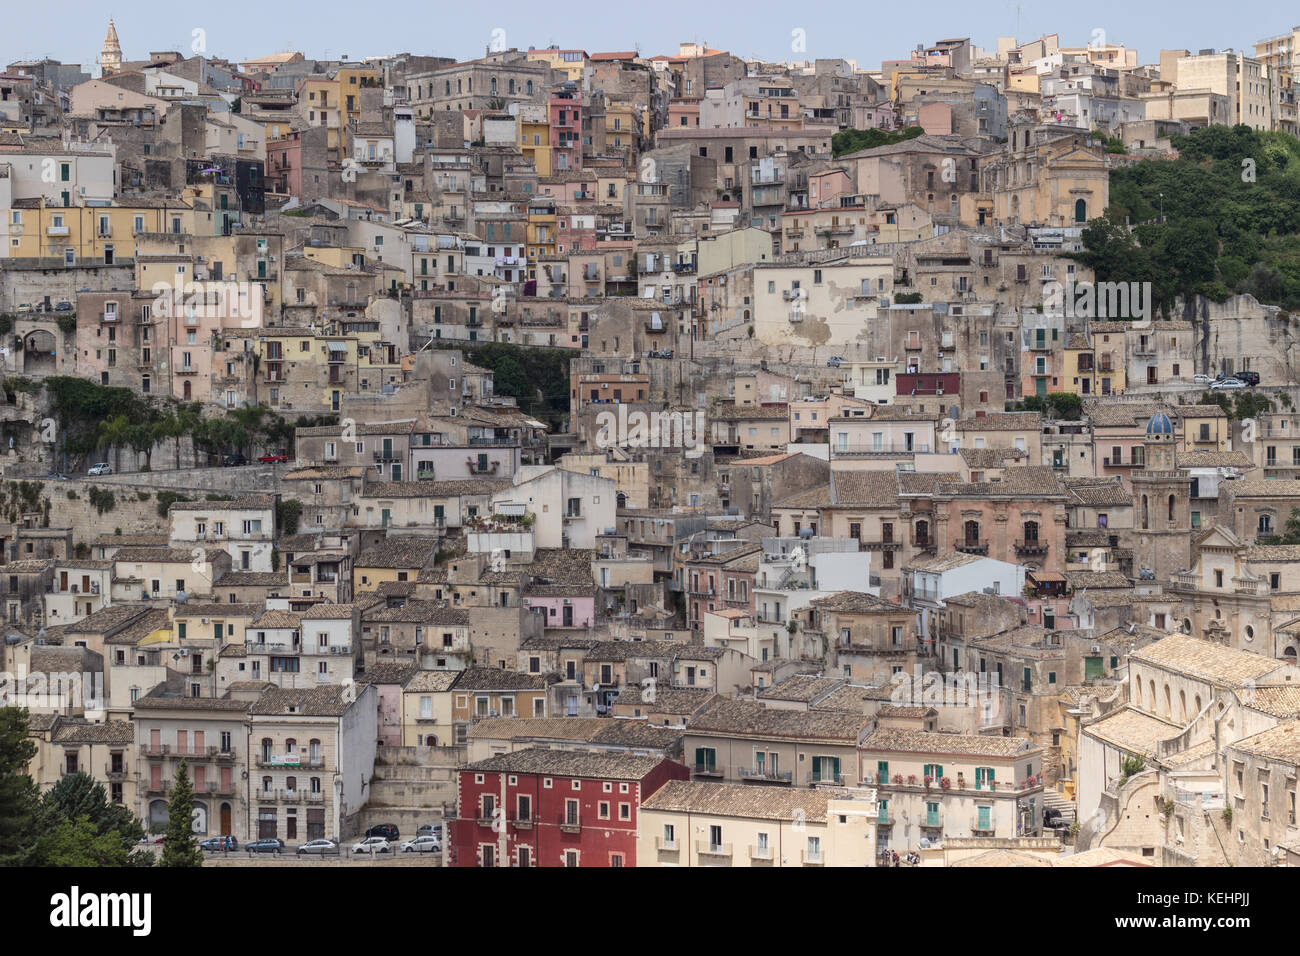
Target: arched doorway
{"x":225,"y":818}
{"x":1081,"y":211}
{"x":158,"y":815}
{"x":38,"y":352}
{"x":187,"y":390}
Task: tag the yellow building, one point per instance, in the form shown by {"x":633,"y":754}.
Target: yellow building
{"x":334,"y":101}
{"x":688,"y":823}
{"x":620,"y":124}
{"x":102,"y":233}
{"x":572,"y":63}
{"x":535,"y":144}
{"x":541,"y":229}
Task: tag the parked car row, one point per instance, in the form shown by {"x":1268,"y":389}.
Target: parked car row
{"x":1228,"y":382}
{"x":382,"y":838}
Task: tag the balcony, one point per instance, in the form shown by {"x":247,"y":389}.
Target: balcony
{"x":205,"y":753}
{"x":1121,"y":463}
{"x":812,"y":858}
{"x":159,"y":787}
{"x":706,"y":770}
{"x":522,"y":823}
{"x":110,"y":316}
{"x":972,"y":547}
{"x":218,"y":788}
{"x":387,"y":456}
{"x":829,"y":779}
{"x":762,"y":854}
{"x":114,"y":775}
{"x":1031,"y":548}
{"x":156,"y":750}
{"x":709,"y":848}
{"x":666,"y":846}
{"x":56,"y":230}
{"x":568,"y":824}
{"x":980,"y":827}
{"x":765,"y":776}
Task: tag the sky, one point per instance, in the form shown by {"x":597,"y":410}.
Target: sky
{"x":73,"y":30}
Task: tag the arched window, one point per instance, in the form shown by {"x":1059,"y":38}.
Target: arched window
{"x":314,"y":750}
{"x":1171,"y":507}
{"x":1182,"y":706}
{"x":291,"y":746}
{"x":972,"y":533}
{"x":1151,"y":688}
{"x":291,"y":784}
{"x":1031,"y":532}
{"x":266,"y":749}
{"x":1265,"y":525}
{"x":1081,"y":211}
{"x":494,"y":86}
{"x":1169,"y":703}
{"x":1137,"y":692}
{"x":266,"y":784}
{"x":1197,"y":701}
{"x":923,"y":532}
{"x":1145,"y":521}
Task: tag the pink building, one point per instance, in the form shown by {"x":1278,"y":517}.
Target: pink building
{"x":566,"y":129}
{"x":284,"y":164}
{"x":561,"y":611}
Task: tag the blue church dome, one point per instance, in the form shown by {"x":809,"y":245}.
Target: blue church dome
{"x":1160,"y":425}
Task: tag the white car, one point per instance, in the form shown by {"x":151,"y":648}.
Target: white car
{"x":102,"y":468}
{"x":1227,"y":384}
{"x":1202,"y":379}
{"x":424,"y":844}
{"x":372,"y":845}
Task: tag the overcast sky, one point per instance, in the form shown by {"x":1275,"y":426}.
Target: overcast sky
{"x":73,"y":30}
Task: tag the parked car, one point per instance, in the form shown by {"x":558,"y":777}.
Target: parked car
{"x":1249,"y":378}
{"x":231,"y":461}
{"x":273,"y":459}
{"x":372,"y":845}
{"x":101,"y":468}
{"x":1052,"y":818}
{"x":1227,"y":384}
{"x":25,"y":308}
{"x":1202,"y":379}
{"x":215,"y":843}
{"x":319,"y":847}
{"x":430,"y":829}
{"x":386,"y":830}
{"x":64,"y":306}
{"x":835,"y":361}
{"x":424,"y":844}
{"x":268,"y":845}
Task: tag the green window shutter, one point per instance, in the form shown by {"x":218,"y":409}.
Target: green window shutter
{"x":699,"y":756}
{"x":882,"y":771}
{"x":835,"y":761}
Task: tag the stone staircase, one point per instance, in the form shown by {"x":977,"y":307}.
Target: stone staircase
{"x":412,"y":786}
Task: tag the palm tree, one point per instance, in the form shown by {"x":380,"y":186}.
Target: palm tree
{"x":172,"y":427}
{"x":113,"y":432}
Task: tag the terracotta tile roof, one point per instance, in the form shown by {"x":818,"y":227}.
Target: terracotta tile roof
{"x":743,"y":718}
{"x":740,"y":800}
{"x":924,"y":742}
{"x":569,"y":763}
{"x":1212,"y":662}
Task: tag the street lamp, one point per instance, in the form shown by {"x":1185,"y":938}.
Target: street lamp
{"x":1162,"y":209}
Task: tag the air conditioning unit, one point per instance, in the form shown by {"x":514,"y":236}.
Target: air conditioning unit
{"x":205,"y":620}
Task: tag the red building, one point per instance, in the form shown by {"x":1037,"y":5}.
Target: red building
{"x":565,"y":113}
{"x":554,"y":808}
{"x":928,"y":383}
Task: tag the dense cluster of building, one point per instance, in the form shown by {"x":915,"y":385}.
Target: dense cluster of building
{"x":842,"y":536}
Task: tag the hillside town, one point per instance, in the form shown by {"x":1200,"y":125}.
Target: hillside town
{"x":594,"y":458}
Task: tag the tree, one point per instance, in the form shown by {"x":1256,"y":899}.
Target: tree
{"x":78,"y":843}
{"x":79,"y":796}
{"x":19,"y":796}
{"x":179,"y":846}
{"x":113,"y":432}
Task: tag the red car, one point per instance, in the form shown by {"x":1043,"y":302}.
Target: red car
{"x":273,"y":459}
